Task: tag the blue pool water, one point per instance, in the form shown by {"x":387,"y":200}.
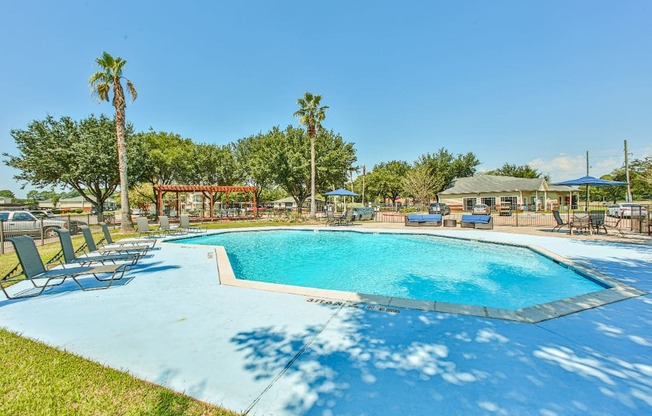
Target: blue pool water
{"x":398,"y":265}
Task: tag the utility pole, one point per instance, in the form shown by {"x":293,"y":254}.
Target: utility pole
{"x":586,"y":205}
{"x":364,"y":173}
{"x":629,"y":186}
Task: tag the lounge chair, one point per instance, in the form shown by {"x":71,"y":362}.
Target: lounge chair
{"x":560,"y":222}
{"x":123,"y":242}
{"x":34,"y":270}
{"x":71,"y":258}
{"x":164,"y":226}
{"x":92,"y":248}
{"x":184,"y":224}
{"x":581,"y":222}
{"x":143,"y":227}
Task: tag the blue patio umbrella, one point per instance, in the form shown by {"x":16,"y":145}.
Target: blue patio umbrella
{"x":341,"y":192}
{"x":590,"y":181}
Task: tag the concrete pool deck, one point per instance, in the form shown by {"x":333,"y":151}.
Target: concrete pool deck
{"x":280,"y":354}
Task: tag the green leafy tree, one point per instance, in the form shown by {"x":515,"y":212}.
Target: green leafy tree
{"x":420,"y":184}
{"x":34,"y":197}
{"x":214,"y":164}
{"x":640,"y":176}
{"x":289,"y":155}
{"x":522,"y":171}
{"x":5,"y":193}
{"x":386,"y":180}
{"x":80,"y":155}
{"x":169,"y":159}
{"x":311,"y":114}
{"x":102,"y":82}
{"x":251,"y":156}
{"x":444,"y":167}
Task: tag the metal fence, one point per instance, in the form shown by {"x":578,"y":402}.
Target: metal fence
{"x":41,"y":229}
{"x":635,"y":220}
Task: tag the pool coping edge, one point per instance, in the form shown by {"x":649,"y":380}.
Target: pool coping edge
{"x":614,"y":291}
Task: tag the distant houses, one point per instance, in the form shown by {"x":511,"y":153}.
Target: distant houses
{"x":290,"y":204}
{"x":500,"y":191}
{"x":78,"y":203}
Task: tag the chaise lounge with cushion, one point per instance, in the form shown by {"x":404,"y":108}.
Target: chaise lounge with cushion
{"x":423,"y":220}
{"x":479,"y":222}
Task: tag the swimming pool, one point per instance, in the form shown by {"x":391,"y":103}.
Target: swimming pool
{"x":410,"y":266}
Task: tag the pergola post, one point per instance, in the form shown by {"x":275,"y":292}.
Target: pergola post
{"x":204,"y":189}
{"x":159,"y":199}
{"x":255,"y":206}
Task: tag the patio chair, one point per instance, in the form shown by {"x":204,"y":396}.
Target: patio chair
{"x":560,"y":222}
{"x":123,"y":242}
{"x":164,"y":226}
{"x":92,"y":248}
{"x":332,"y":219}
{"x":184,"y":224}
{"x":581,"y":222}
{"x":597,"y":220}
{"x":70,"y":258}
{"x":143,"y":227}
{"x":347,"y":218}
{"x":34,"y":270}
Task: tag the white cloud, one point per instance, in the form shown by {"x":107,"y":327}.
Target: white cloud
{"x":565,"y":167}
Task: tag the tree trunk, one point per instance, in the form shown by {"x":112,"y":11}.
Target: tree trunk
{"x":313,"y":204}
{"x":126,"y":225}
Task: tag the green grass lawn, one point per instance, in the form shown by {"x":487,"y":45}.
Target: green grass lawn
{"x":40,"y":380}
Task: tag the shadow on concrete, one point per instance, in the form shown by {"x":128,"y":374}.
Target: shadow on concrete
{"x":366,"y":362}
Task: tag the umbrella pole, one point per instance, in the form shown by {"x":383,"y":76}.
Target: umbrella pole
{"x":586,"y":204}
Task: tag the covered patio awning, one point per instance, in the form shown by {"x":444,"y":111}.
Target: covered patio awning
{"x":207,"y":190}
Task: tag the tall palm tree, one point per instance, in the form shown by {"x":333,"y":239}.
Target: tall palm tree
{"x":311,"y":115}
{"x":110,"y":77}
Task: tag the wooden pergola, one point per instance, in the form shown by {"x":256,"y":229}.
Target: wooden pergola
{"x":206,"y":190}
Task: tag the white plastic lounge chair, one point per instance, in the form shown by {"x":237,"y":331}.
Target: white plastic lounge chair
{"x":143,"y":227}
{"x":92,"y":248}
{"x":71,"y":259}
{"x":123,"y":242}
{"x":184,"y":224}
{"x":164,"y":226}
{"x":34,"y":271}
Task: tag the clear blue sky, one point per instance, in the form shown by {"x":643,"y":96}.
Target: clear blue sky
{"x":538,"y":82}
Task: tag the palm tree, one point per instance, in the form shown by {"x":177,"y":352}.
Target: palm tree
{"x":311,"y":115}
{"x":110,"y":77}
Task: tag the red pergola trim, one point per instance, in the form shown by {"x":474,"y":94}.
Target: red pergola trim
{"x":210,"y":189}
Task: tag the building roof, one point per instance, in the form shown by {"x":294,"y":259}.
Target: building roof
{"x":490,"y":183}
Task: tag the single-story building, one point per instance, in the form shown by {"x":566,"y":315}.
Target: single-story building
{"x":5,"y":200}
{"x":500,"y":191}
{"x":288,"y":203}
{"x":75,"y":203}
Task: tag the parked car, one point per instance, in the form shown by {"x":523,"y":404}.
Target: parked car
{"x":363,"y":213}
{"x":481,"y":209}
{"x":73,"y":224}
{"x":626,"y":210}
{"x":439,"y":208}
{"x":25,"y":223}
